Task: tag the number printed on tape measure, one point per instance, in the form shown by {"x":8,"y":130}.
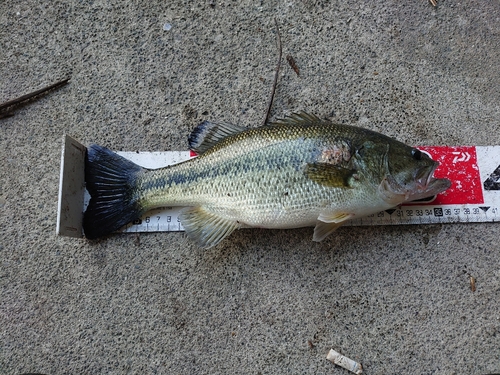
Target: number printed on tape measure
{"x":429,"y":215}
{"x":160,"y":220}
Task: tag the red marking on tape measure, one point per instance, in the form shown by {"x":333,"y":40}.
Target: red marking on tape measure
{"x":458,"y":164}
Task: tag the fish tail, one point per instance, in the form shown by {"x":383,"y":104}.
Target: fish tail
{"x":112,"y":183}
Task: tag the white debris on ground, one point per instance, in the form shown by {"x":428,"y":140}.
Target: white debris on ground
{"x":344,"y":362}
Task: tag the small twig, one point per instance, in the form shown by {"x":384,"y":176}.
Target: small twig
{"x":278,"y":65}
{"x":33,"y":94}
{"x":433,"y":2}
{"x":7,"y":114}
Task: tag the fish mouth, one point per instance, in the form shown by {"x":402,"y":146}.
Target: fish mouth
{"x":424,"y":176}
{"x":426,"y":185}
{"x":423,"y":185}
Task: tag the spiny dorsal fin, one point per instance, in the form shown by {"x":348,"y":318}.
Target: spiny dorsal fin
{"x":208,"y":134}
{"x":329,"y":175}
{"x":205,"y":228}
{"x":300,"y":118}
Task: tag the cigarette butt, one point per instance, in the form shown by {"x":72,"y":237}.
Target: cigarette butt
{"x":344,"y":362}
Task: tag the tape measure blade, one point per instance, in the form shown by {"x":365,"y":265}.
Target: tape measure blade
{"x":468,"y":167}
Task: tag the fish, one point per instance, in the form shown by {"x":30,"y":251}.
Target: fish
{"x":298,"y":171}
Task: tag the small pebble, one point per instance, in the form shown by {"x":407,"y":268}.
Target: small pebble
{"x":167,"y":27}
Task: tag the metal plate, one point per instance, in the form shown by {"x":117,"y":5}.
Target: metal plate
{"x":71,"y":189}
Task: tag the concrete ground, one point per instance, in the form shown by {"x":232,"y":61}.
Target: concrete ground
{"x":397,"y":299}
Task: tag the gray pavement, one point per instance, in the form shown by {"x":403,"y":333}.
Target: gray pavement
{"x":397,"y":299}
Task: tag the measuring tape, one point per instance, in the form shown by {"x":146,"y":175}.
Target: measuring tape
{"x":474,"y":195}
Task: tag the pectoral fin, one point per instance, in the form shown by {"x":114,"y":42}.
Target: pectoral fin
{"x":328,"y":223}
{"x":206,"y":228}
{"x":329,"y":174}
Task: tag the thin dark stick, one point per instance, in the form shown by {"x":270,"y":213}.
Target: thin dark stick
{"x":5,"y":115}
{"x":32,"y":94}
{"x":278,"y":65}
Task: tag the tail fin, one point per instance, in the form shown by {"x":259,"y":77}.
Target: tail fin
{"x":111,"y":181}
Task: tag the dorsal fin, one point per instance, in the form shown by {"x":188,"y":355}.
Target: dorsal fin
{"x":300,"y":118}
{"x":208,"y":134}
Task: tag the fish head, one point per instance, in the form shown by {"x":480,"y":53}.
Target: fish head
{"x":410,"y":175}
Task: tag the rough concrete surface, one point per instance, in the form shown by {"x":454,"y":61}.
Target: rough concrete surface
{"x":397,"y":299}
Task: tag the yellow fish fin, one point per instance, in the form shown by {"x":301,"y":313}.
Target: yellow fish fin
{"x":328,"y":223}
{"x":205,"y":228}
{"x":330,"y":175}
{"x":208,"y":134}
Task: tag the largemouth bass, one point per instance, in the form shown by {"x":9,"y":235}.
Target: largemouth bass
{"x":296,"y":172}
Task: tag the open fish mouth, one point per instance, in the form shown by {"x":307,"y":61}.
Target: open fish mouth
{"x":424,"y":176}
{"x":427,"y":185}
{"x":424,"y":185}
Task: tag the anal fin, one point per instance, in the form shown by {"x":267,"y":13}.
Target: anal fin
{"x":205,"y":228}
{"x":328,"y":223}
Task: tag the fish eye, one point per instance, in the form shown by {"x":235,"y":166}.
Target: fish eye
{"x":417,"y":154}
{"x":360,"y":151}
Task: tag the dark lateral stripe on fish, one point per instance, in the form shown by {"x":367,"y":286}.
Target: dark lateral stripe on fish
{"x":111,"y":181}
{"x":182,"y":178}
{"x":177,"y":178}
{"x":236,"y":169}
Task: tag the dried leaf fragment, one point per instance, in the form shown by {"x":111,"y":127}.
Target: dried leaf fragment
{"x":472,"y":281}
{"x":293,"y":64}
